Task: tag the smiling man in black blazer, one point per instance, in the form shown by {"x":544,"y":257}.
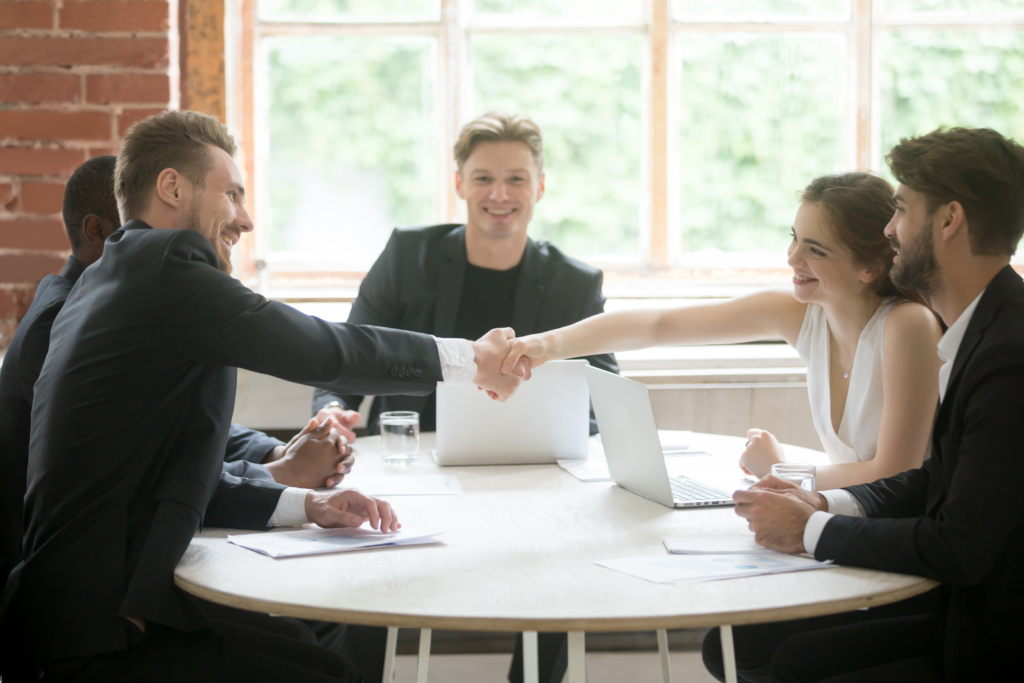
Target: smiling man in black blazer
{"x":131,"y":415}
{"x":959,"y":519}
{"x":458,"y":280}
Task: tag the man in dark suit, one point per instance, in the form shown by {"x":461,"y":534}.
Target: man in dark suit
{"x":460,"y":281}
{"x":130,"y":418}
{"x":959,"y":519}
{"x":310,"y":459}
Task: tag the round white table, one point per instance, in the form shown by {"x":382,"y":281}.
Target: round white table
{"x":518,"y":555}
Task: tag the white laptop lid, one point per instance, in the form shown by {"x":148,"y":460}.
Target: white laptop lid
{"x":629,"y":435}
{"x":546,"y":419}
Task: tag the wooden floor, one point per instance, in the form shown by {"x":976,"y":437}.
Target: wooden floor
{"x":602,"y":667}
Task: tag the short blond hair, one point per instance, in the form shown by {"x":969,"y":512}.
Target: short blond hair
{"x":173,"y":139}
{"x":498,"y":125}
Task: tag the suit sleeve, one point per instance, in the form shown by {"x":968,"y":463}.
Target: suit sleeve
{"x":376,"y":304}
{"x":208,"y":317}
{"x":962,"y":541}
{"x":902,"y":495}
{"x":594,"y":305}
{"x":243,"y":502}
{"x":34,"y":348}
{"x":248,"y":445}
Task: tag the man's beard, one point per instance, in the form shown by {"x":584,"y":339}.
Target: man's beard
{"x":918,"y":269}
{"x":192,"y":223}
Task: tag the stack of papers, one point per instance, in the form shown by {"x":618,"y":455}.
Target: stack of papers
{"x":715,"y":545}
{"x":279,"y":544}
{"x":679,"y":569}
{"x":410,"y":485}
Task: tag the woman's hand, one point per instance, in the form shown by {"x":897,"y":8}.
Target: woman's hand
{"x":763,"y":451}
{"x":532,"y":347}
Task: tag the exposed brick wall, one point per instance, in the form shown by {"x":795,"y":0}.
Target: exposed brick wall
{"x":74,"y":75}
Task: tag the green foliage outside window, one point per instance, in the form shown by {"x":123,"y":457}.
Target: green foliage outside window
{"x":348,"y":117}
{"x":760,"y":117}
{"x":315,"y":10}
{"x":929,"y":79}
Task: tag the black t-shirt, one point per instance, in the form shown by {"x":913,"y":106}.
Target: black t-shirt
{"x":488,"y":297}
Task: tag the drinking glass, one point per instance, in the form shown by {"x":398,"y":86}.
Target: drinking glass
{"x":800,"y":474}
{"x":400,"y":436}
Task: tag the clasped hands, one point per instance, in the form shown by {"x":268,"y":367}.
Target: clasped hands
{"x":777,"y":512}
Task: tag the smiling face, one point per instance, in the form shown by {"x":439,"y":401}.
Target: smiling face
{"x":910,"y":233}
{"x":824,"y":270}
{"x":500,"y":183}
{"x":217,"y":209}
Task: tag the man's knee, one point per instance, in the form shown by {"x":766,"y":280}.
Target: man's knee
{"x":711,"y":652}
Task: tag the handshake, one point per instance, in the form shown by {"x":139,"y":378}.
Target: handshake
{"x":503,"y":361}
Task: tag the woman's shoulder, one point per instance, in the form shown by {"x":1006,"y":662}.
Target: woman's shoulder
{"x":909,"y":324}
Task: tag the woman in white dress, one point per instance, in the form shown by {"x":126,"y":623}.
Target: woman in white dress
{"x":870,"y":348}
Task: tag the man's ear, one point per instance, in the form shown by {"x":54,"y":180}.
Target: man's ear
{"x":952,"y":221}
{"x":92,"y":229}
{"x":540,"y":188}
{"x":170,"y":188}
{"x":458,"y":185}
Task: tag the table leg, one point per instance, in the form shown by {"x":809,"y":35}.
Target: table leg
{"x":666,"y":666}
{"x":728,"y":654}
{"x":390,"y":650}
{"x":531,"y":664}
{"x":577,"y":657}
{"x":423,"y":657}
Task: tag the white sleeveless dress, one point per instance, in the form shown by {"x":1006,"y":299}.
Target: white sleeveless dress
{"x":857,"y":438}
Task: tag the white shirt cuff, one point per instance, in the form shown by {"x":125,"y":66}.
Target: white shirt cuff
{"x":812,"y":532}
{"x":842,"y":502}
{"x":457,"y":360}
{"x":291,"y":508}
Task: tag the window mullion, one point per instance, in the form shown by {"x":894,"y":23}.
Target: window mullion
{"x":657,"y":139}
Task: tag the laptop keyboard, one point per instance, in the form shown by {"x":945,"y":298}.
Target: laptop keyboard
{"x":690,"y":492}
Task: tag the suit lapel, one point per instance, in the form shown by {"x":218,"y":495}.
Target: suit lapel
{"x":529,"y":291}
{"x":451,"y":273}
{"x":1000,"y":287}
{"x":996,"y":292}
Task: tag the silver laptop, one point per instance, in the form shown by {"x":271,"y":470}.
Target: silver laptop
{"x":630,"y":438}
{"x":548,"y":418}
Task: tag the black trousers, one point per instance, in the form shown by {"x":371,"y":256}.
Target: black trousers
{"x":893,"y":643}
{"x":227,"y":652}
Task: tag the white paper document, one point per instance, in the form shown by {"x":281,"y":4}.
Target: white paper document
{"x":411,"y":485}
{"x":715,"y":545}
{"x":318,"y":541}
{"x":587,"y":469}
{"x":680,"y":569}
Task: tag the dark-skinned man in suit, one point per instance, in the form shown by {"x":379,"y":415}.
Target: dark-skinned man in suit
{"x":959,"y":519}
{"x":460,"y":280}
{"x":141,"y":370}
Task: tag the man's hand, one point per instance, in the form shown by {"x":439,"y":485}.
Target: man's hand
{"x":341,"y":420}
{"x":489,"y":353}
{"x":350,"y":508}
{"x":777,"y":512}
{"x":315,"y":457}
{"x":763,"y":452}
{"x":532,"y":348}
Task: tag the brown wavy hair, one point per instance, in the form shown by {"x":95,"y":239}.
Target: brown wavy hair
{"x":858,"y":206}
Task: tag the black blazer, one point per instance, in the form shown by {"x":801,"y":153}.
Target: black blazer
{"x":236,"y":496}
{"x":959,"y":519}
{"x":129,"y":423}
{"x":416,"y":285}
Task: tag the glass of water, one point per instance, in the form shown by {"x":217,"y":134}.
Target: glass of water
{"x":803,"y":475}
{"x":400,"y":436}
